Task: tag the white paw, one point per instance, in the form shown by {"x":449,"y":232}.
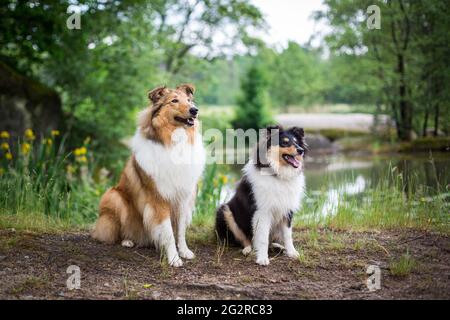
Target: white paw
{"x":186,"y":253}
{"x":176,"y":262}
{"x":246,"y":251}
{"x":262,"y":261}
{"x":293,"y":254}
{"x":127,"y":243}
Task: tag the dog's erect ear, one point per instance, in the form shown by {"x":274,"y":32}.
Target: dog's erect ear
{"x":157,"y":93}
{"x":298,"y":132}
{"x":188,"y":88}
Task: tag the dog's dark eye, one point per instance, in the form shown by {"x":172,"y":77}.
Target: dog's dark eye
{"x":175,"y":101}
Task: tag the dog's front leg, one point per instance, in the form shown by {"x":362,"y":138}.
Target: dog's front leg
{"x":185,"y":215}
{"x":157,"y":222}
{"x":288,"y":242}
{"x":261,"y":232}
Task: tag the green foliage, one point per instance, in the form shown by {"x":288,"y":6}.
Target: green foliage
{"x":124,"y":48}
{"x":208,"y":198}
{"x":297,"y":77}
{"x":253,"y":110}
{"x":406,"y":62}
{"x":42,"y":178}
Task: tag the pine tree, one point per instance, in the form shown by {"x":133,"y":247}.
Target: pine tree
{"x":253,"y":105}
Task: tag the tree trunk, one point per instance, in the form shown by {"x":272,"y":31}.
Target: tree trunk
{"x":425,"y":123}
{"x":436,"y":119}
{"x":405,"y":129}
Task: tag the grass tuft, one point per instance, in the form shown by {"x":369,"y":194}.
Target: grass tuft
{"x":403,"y":266}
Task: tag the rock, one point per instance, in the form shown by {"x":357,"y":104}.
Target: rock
{"x":319,"y":142}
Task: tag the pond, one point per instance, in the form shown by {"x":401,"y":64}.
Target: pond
{"x":332,"y":178}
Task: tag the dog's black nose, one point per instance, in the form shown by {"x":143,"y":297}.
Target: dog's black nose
{"x":193,"y":111}
{"x":300,"y":151}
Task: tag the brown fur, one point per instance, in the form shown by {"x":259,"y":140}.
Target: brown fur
{"x":158,"y":120}
{"x":232,"y":225}
{"x":122,"y":210}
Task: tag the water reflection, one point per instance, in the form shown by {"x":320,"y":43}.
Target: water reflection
{"x":330,"y":180}
{"x":331,"y":203}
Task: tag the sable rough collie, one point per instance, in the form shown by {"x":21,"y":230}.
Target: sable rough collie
{"x":268,"y":194}
{"x":154,"y":199}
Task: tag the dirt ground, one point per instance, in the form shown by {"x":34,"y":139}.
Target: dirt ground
{"x":332,"y":266}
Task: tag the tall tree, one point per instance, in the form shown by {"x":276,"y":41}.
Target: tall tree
{"x":394,"y":49}
{"x":101,"y":72}
{"x":253,"y":105}
{"x":297,"y":76}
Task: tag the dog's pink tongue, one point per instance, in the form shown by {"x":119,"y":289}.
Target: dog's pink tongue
{"x":293,"y":161}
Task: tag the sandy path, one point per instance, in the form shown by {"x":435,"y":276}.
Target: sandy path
{"x":316,"y":121}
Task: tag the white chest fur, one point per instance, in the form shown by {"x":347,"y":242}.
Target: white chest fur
{"x":275,"y":195}
{"x":175,"y":169}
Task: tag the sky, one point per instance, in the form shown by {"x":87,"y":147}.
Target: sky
{"x":290,"y":20}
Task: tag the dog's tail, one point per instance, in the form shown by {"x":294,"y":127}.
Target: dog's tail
{"x":226,"y":219}
{"x":107,"y":227}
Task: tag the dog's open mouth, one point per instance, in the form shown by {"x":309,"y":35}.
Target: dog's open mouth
{"x":187,"y":121}
{"x":291,"y":160}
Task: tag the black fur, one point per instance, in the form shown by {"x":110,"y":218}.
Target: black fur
{"x":271,"y":140}
{"x":289,"y":218}
{"x":243,"y":207}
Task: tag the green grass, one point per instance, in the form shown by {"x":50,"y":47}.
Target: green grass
{"x":403,"y":266}
{"x":46,"y":186}
{"x":391,"y":203}
{"x":49,"y":189}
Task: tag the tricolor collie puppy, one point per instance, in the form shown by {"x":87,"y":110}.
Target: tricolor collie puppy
{"x":268,"y":194}
{"x":154,"y":199}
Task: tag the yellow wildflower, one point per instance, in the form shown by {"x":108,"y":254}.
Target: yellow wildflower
{"x":83,"y":150}
{"x":80,"y":151}
{"x":48,"y":141}
{"x":4,"y":135}
{"x":55,"y":133}
{"x":82,"y":159}
{"x":29,"y":134}
{"x":26,"y":147}
{"x":9,"y":155}
{"x":5,"y":146}
{"x":223,"y":179}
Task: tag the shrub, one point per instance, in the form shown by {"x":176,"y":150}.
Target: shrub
{"x":253,"y":105}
